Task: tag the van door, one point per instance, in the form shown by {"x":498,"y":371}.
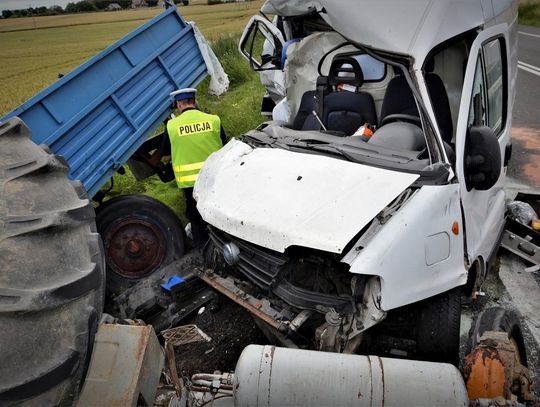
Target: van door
{"x":484,"y":105}
{"x":261,"y":44}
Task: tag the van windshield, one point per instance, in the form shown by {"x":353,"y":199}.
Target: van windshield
{"x":350,"y":148}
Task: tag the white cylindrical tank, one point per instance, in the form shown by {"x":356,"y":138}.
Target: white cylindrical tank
{"x":271,"y":376}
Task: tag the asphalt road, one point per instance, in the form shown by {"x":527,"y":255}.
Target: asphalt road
{"x":521,"y":289}
{"x":525,"y":164}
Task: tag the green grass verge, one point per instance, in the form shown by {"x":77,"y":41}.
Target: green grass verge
{"x":239,"y":110}
{"x":529,"y":14}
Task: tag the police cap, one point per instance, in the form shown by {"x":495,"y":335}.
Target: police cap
{"x":182,"y":94}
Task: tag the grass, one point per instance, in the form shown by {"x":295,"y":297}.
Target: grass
{"x":32,"y":59}
{"x":529,"y":13}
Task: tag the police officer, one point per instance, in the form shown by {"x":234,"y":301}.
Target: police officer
{"x":194,"y":135}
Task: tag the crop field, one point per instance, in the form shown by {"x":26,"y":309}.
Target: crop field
{"x":35,"y":50}
{"x":32,"y":58}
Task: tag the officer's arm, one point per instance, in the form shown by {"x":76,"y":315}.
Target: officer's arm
{"x":223,"y":136}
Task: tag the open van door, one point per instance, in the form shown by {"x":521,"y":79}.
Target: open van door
{"x":261,"y":44}
{"x":483,"y":131}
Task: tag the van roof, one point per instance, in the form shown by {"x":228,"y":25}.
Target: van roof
{"x":411,"y":27}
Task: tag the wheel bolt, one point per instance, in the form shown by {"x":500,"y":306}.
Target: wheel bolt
{"x":133,"y":247}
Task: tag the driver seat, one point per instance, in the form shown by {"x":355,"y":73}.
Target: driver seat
{"x":399,"y":99}
{"x":339,"y":110}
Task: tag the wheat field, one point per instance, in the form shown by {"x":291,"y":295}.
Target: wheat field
{"x":33,"y":51}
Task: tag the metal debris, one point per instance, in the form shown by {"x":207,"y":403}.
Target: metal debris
{"x":182,"y":335}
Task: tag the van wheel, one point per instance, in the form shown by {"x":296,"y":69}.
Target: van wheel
{"x":140,"y":235}
{"x":500,"y":320}
{"x":51,"y":274}
{"x":437,"y":327}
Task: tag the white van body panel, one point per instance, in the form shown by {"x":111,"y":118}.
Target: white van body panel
{"x":410,"y":27}
{"x":276,"y":198}
{"x":416,"y":254}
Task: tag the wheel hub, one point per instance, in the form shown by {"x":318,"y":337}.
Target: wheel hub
{"x":134,"y":247}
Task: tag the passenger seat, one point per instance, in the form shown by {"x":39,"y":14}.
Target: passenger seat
{"x":344,"y":111}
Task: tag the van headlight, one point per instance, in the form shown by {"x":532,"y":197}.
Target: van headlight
{"x":231,"y":253}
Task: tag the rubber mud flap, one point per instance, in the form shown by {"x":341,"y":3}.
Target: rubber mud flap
{"x":51,"y":274}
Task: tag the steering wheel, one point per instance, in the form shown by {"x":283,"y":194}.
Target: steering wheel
{"x":398,"y":117}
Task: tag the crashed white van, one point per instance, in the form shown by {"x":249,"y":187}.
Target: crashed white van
{"x":344,"y":241}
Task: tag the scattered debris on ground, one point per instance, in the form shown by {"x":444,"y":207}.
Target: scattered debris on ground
{"x":231,"y":329}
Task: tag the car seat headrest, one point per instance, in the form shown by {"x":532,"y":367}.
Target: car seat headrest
{"x":345,"y":70}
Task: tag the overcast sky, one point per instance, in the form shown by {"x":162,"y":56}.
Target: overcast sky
{"x":18,"y":4}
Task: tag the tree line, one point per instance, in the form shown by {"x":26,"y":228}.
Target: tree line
{"x":74,"y":7}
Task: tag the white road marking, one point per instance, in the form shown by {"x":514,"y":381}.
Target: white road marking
{"x":529,"y":68}
{"x":531,"y":35}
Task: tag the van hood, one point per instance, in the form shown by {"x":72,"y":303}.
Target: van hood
{"x":276,"y":198}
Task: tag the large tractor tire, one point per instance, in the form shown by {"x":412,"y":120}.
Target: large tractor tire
{"x":51,"y":274}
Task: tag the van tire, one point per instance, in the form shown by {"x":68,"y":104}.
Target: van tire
{"x":437,"y":327}
{"x":51,"y":274}
{"x":125,"y":218}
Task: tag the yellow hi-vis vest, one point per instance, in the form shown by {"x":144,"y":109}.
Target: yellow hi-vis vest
{"x":194,"y":136}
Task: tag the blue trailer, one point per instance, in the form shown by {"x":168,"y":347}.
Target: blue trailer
{"x":103,"y":114}
{"x":98,"y":115}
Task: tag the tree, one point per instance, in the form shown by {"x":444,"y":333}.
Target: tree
{"x":152,"y":3}
{"x":102,"y":4}
{"x":7,"y":13}
{"x":71,"y":8}
{"x":85,"y":6}
{"x":54,"y":10}
{"x":124,"y":3}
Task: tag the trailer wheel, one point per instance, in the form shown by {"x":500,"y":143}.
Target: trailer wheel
{"x":500,"y":320}
{"x":140,"y":235}
{"x":437,"y":327}
{"x":51,"y":274}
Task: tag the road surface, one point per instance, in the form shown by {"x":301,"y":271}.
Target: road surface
{"x":514,"y":287}
{"x":525,"y":164}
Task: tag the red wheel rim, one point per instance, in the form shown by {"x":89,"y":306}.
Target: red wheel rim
{"x":134,"y":247}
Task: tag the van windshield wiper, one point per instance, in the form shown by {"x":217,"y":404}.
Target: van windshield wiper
{"x":322,"y":146}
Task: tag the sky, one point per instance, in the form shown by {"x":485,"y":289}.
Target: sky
{"x":18,"y":4}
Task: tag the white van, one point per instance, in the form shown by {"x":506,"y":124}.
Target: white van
{"x":343,"y":241}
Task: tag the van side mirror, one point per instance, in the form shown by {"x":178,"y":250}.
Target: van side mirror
{"x":482,"y":158}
